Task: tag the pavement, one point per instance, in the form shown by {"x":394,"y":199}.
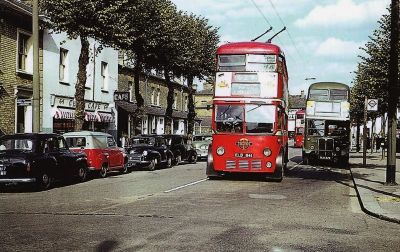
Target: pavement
{"x":375,"y":197}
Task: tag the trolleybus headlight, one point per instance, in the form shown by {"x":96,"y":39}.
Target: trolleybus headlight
{"x":269,"y":164}
{"x":337,"y":148}
{"x":267,"y":152}
{"x":220,"y":151}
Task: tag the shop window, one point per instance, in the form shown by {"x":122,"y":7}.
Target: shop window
{"x":63,"y":65}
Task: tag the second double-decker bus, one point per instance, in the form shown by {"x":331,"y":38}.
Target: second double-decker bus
{"x":299,"y":128}
{"x":327,"y":131}
{"x":249,"y":117}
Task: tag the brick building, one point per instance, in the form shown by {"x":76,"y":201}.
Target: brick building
{"x":203,"y":103}
{"x":16,"y":67}
{"x":154,"y":91}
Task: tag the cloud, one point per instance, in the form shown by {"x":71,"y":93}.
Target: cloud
{"x":334,"y":47}
{"x":344,"y":12}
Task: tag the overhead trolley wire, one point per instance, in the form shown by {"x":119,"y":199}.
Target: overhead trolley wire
{"x":265,"y":18}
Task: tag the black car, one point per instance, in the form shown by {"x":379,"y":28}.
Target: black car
{"x":181,"y":148}
{"x":148,"y":151}
{"x":40,"y":159}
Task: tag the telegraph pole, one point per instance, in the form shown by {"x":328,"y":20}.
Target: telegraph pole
{"x":393,"y":93}
{"x":36,"y":72}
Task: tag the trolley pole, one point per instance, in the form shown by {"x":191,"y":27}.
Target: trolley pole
{"x":36,"y":72}
{"x":393,"y":94}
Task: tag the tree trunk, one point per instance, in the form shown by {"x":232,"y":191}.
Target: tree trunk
{"x":191,"y":109}
{"x":139,"y":112}
{"x":80,"y":85}
{"x":170,"y":102}
{"x":358,"y":136}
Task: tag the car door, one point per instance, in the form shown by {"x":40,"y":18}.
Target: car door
{"x":54,"y":159}
{"x":113,"y":152}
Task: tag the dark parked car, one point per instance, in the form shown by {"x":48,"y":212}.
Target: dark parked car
{"x":39,"y":158}
{"x":181,"y":148}
{"x":149,"y":152}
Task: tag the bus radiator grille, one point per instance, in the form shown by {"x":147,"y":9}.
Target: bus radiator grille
{"x":243,"y":164}
{"x":230,"y":164}
{"x":256,"y":164}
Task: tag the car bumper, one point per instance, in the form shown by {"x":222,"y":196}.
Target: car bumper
{"x":17,"y":180}
{"x":202,"y":153}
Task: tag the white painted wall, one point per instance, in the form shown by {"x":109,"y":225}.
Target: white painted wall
{"x":52,"y":43}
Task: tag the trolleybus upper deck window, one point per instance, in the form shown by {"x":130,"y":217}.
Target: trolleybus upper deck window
{"x":232,"y":62}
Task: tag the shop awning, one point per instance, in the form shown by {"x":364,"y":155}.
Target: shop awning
{"x":60,"y":113}
{"x":105,"y":117}
{"x":91,"y":116}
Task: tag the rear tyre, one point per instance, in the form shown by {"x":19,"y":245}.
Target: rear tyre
{"x":82,"y":173}
{"x":152,"y":165}
{"x":103,"y":171}
{"x":169,"y":162}
{"x":193,"y":159}
{"x":43,"y":181}
{"x":125,"y":169}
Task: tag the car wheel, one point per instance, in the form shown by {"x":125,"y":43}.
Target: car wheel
{"x":169,"y":162}
{"x":125,"y":169}
{"x":82,"y":173}
{"x":103,"y":171}
{"x":44,"y":181}
{"x":178,"y":159}
{"x":152,"y":165}
{"x":193,"y":159}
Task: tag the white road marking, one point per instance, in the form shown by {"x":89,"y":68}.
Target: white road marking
{"x":183,"y":186}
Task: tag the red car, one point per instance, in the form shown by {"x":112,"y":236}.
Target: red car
{"x":103,"y":154}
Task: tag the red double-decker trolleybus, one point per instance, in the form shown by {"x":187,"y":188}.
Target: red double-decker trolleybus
{"x":249,"y":117}
{"x":299,"y":128}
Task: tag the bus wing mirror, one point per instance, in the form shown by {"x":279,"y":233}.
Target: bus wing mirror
{"x":208,"y":107}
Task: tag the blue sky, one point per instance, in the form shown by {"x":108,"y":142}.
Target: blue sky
{"x":323,"y":37}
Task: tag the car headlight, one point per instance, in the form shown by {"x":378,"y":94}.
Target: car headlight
{"x":132,"y":152}
{"x":312,"y":147}
{"x":220,"y":151}
{"x":267,"y":152}
{"x":337,"y":148}
{"x":145,"y":153}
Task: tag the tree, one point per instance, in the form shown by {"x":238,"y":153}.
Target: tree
{"x":197,"y":59}
{"x":80,"y":19}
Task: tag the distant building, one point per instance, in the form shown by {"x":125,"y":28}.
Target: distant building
{"x":203,"y":103}
{"x":296,"y":103}
{"x":154,"y":91}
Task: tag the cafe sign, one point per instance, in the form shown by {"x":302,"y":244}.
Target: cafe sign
{"x":68,"y":102}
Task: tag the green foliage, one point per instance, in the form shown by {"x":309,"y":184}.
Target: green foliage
{"x":372,"y":75}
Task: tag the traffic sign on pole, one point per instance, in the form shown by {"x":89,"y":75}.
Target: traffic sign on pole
{"x":372,"y":105}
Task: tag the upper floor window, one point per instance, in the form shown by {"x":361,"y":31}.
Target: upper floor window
{"x":131,"y":88}
{"x":25,"y":53}
{"x":175,"y":100}
{"x":153,"y":95}
{"x":185,"y":106}
{"x":158,"y":97}
{"x":63,"y":65}
{"x":104,"y":75}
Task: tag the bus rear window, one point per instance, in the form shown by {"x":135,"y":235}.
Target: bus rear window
{"x":337,"y":94}
{"x":319,"y":94}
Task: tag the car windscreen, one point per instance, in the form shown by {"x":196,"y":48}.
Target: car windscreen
{"x":142,"y":141}
{"x":229,"y":118}
{"x":16,"y":144}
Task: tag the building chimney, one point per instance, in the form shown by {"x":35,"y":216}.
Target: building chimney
{"x":302,"y":93}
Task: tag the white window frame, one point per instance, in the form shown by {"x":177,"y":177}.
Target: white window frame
{"x":186,"y":101}
{"x":104,"y":75}
{"x":28,"y":67}
{"x":158,"y":97}
{"x":131,"y":87}
{"x":63,"y":65}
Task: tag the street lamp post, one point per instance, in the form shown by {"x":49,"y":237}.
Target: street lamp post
{"x":36,"y":76}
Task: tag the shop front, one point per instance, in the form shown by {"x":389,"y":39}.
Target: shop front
{"x":98,"y":115}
